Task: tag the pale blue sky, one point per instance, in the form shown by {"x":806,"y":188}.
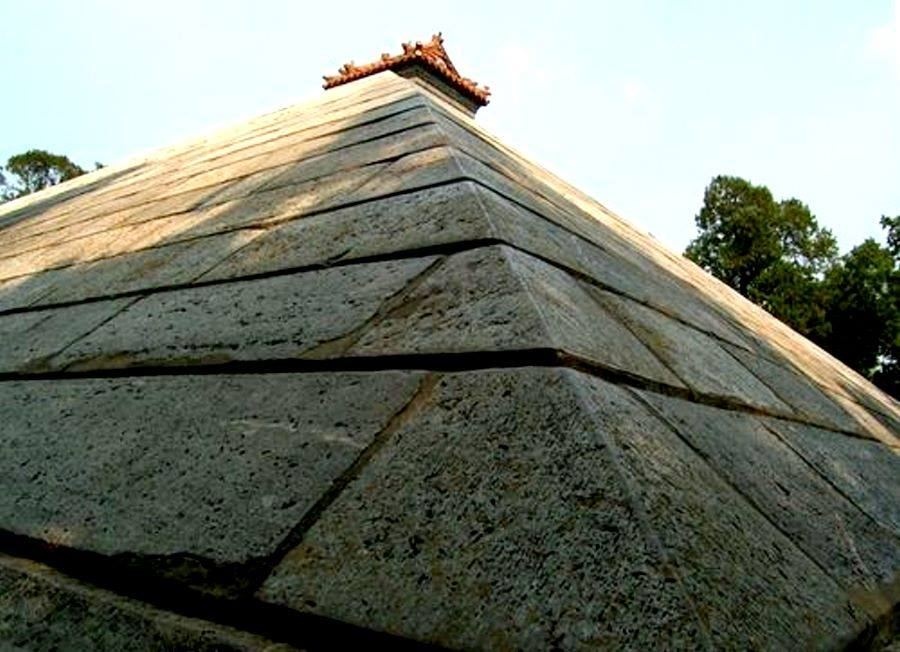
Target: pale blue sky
{"x":638,"y":103}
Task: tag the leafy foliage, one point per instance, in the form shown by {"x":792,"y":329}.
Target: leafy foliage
{"x":862,"y":306}
{"x":772,"y":252}
{"x":776,"y":254}
{"x":35,"y":170}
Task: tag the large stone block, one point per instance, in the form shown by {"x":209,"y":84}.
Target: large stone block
{"x":143,"y":270}
{"x":41,"y":609}
{"x":175,"y":470}
{"x":795,"y":389}
{"x":493,"y":518}
{"x":698,"y":359}
{"x":278,"y":317}
{"x":30,"y":339}
{"x":753,"y":586}
{"x":421,"y":219}
{"x":499,"y":299}
{"x":868,"y":473}
{"x":844,"y":541}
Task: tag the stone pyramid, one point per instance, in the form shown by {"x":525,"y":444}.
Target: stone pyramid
{"x":356,"y":372}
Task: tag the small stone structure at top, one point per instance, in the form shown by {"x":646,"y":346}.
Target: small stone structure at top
{"x":425,"y":63}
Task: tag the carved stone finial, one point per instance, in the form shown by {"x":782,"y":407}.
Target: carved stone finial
{"x":431,"y":56}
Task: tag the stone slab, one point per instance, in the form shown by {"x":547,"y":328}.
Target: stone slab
{"x":270,"y":318}
{"x":793,"y":388}
{"x":25,"y":290}
{"x":844,"y":541}
{"x":695,"y":357}
{"x":492,"y":519}
{"x":575,"y":323}
{"x":755,"y":588}
{"x":500,"y":299}
{"x":41,"y":609}
{"x":868,"y":473}
{"x":30,"y":339}
{"x":425,"y":218}
{"x":218,"y":468}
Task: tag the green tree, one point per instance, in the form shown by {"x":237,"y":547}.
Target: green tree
{"x":774,"y":253}
{"x":863,"y":309}
{"x":35,"y":170}
{"x":892,"y":224}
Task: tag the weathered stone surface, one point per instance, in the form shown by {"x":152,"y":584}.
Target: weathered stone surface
{"x":426,"y":218}
{"x":148,"y":178}
{"x":493,"y":518}
{"x":431,"y":164}
{"x":64,"y":248}
{"x":870,"y":424}
{"x":868,"y":473}
{"x":697,"y":358}
{"x":217,"y":467}
{"x":844,"y":541}
{"x":30,"y":339}
{"x":24,"y":291}
{"x":527,"y":507}
{"x":498,"y":298}
{"x":41,"y":609}
{"x":577,"y":324}
{"x":278,"y":317}
{"x":790,"y":385}
{"x":753,"y":585}
{"x":145,"y":269}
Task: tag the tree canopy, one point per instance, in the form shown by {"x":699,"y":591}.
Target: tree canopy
{"x":35,"y":170}
{"x":776,"y":254}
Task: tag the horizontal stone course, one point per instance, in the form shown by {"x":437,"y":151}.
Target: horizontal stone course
{"x":844,"y":541}
{"x":128,"y":182}
{"x":487,"y":299}
{"x":493,"y":518}
{"x":41,"y":609}
{"x":866,"y":472}
{"x":215,"y":468}
{"x":62,"y":246}
{"x":468,"y":515}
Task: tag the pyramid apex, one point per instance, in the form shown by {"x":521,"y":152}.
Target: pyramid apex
{"x":426,"y":63}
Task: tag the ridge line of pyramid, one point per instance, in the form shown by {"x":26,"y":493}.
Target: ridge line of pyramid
{"x":653,"y":539}
{"x":687,"y":272}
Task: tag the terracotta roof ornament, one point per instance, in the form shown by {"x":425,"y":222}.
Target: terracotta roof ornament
{"x":430,"y":55}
